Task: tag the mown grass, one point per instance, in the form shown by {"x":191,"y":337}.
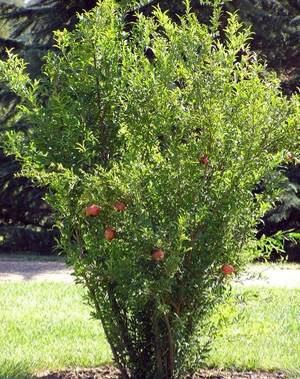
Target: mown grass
{"x":46,"y":326}
{"x":264,"y":333}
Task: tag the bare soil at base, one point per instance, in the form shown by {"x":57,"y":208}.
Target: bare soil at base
{"x":110,"y":372}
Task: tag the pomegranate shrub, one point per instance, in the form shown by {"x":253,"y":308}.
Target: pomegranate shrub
{"x":151,"y":138}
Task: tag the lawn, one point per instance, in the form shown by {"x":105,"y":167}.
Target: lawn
{"x":264,"y":333}
{"x":46,"y":326}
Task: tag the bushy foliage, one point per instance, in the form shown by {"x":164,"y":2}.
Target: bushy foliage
{"x":151,"y":142}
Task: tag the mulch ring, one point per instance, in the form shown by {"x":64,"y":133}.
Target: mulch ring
{"x":109,"y":372}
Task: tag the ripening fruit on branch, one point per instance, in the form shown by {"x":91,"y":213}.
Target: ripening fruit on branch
{"x":204,"y":160}
{"x":157,"y":255}
{"x":227,"y":269}
{"x":92,"y":210}
{"x":110,"y":234}
{"x":120,"y":206}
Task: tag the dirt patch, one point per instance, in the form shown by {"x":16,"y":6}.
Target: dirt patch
{"x":105,"y":372}
{"x":109,"y":372}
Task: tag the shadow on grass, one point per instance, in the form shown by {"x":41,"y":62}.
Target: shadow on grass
{"x":15,"y":370}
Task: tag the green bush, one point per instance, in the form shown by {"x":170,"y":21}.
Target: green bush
{"x":151,"y":138}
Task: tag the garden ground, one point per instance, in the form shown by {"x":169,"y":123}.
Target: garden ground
{"x":108,"y":372}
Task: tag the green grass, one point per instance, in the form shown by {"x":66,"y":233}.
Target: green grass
{"x":46,"y":326}
{"x":264,"y":333}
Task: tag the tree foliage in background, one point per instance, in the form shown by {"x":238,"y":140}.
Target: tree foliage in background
{"x":276,"y":25}
{"x":160,"y":132}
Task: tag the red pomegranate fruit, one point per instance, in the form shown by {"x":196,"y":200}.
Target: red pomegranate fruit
{"x":227,"y":269}
{"x":120,"y":206}
{"x":92,"y":210}
{"x":204,"y":160}
{"x":110,"y":234}
{"x":157,"y":255}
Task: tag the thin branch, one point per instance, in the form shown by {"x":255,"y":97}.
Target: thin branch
{"x":158,"y":348}
{"x":98,"y":88}
{"x":170,"y":348}
{"x":98,"y":309}
{"x":121,"y":318}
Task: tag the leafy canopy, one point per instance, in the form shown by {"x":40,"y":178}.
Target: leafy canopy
{"x":179,"y":126}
